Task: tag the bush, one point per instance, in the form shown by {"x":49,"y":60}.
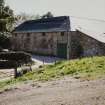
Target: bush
{"x":19,"y":57}
{"x":14,"y":59}
{"x":0,"y":49}
{"x":7,"y":64}
{"x":4,"y":41}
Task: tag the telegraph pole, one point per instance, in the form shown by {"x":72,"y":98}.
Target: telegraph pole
{"x":68,"y":38}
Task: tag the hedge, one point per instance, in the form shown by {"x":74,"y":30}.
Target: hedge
{"x":8,"y":64}
{"x":10,"y":60}
{"x":19,"y":57}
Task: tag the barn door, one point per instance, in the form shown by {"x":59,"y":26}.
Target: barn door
{"x":62,"y":50}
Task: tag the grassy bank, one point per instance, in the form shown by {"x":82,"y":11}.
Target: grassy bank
{"x":86,"y":68}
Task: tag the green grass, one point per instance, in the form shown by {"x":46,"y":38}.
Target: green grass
{"x":86,"y":68}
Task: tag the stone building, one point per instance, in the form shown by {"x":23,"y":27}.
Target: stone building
{"x":91,"y":43}
{"x":53,"y":36}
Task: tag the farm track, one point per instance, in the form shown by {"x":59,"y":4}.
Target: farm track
{"x":66,"y":91}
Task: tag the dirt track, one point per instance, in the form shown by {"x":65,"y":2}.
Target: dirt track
{"x":67,"y":91}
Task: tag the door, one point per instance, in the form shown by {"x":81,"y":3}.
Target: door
{"x":62,"y":50}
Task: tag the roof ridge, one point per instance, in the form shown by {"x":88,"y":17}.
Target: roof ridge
{"x":50,"y":18}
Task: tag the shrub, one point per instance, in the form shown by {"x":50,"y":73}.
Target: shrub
{"x":7,"y":64}
{"x":4,"y":41}
{"x":14,"y":59}
{"x":19,"y":57}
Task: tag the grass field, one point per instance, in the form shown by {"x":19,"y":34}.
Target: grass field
{"x":85,"y":68}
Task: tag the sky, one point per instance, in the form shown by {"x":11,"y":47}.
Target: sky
{"x":80,"y":8}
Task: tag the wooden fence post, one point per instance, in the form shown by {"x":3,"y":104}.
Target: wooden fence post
{"x":15,"y":72}
{"x":30,"y":68}
{"x":43,"y":61}
{"x":55,"y":62}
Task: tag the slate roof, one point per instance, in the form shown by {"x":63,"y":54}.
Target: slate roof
{"x":99,"y":36}
{"x":54,"y":24}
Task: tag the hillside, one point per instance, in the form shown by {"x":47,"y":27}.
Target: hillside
{"x":85,"y":69}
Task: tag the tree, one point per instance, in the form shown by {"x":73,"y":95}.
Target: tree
{"x":1,"y":2}
{"x":6,"y":22}
{"x":6,"y":17}
{"x":4,"y":41}
{"x":47,"y":15}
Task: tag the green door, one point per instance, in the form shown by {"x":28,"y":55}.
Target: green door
{"x":62,"y":50}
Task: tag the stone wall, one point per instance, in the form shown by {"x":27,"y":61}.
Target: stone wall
{"x":78,"y":44}
{"x":40,"y":43}
{"x":87,"y":46}
{"x":74,"y":45}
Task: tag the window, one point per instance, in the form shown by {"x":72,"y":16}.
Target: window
{"x":22,"y":36}
{"x":28,"y":34}
{"x":43,"y":33}
{"x":62,"y":33}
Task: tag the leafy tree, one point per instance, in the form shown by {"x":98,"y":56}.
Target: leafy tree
{"x":6,"y":22}
{"x":4,"y":41}
{"x":6,"y":17}
{"x":1,"y":2}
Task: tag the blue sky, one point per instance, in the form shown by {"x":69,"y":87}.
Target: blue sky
{"x":81,"y":8}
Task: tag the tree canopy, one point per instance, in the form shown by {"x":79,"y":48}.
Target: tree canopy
{"x":6,"y":17}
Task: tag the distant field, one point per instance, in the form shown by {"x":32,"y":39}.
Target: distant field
{"x":86,"y":69}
